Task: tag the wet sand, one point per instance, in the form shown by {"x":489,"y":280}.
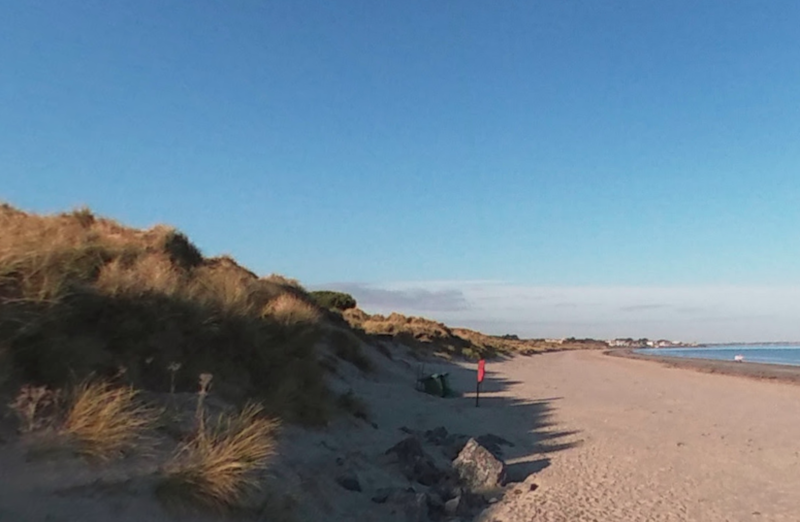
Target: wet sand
{"x":777,"y":372}
{"x":656,"y":442}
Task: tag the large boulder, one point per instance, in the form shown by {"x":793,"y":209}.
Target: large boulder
{"x":478,"y":469}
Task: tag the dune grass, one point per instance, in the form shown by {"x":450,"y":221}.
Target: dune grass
{"x":291,"y":310}
{"x":220,"y":465}
{"x":81,"y":295}
{"x":106,"y":420}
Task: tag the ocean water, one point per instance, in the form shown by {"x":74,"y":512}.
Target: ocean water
{"x":767,"y":354}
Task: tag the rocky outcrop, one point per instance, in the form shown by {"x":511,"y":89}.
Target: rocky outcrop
{"x":458,"y":491}
{"x":478,"y":469}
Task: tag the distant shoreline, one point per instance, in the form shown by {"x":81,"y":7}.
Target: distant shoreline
{"x":773,"y":343}
{"x":772,"y":372}
{"x":714,"y":345}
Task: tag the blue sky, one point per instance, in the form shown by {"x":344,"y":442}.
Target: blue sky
{"x":635,"y":146}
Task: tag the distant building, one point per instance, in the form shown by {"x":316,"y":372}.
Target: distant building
{"x":641,"y":343}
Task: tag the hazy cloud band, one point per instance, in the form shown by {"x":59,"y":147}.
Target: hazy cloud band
{"x":704,"y":314}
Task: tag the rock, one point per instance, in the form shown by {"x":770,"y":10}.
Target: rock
{"x":436,"y":436}
{"x":451,"y":506}
{"x":447,"y":489}
{"x":470,"y":504}
{"x":414,"y":505}
{"x":349,"y":482}
{"x":414,"y":463}
{"x":399,"y":496}
{"x":407,"y":449}
{"x":417,"y":509}
{"x":478,"y":469}
{"x":381,"y":495}
{"x":435,"y":505}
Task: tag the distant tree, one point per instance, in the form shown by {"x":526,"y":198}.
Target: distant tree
{"x":334,"y":300}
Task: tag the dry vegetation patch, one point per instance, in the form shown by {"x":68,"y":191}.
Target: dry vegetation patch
{"x":220,"y":465}
{"x":106,"y":420}
{"x":82,"y":295}
{"x":291,"y":310}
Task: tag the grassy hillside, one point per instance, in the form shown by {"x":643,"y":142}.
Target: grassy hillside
{"x":83,"y":295}
{"x":462,"y":342}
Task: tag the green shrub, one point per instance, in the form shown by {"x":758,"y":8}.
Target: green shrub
{"x":334,"y":300}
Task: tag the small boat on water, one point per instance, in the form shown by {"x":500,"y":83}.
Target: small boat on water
{"x":738,"y":358}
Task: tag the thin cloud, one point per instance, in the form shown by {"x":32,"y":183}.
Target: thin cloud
{"x":418,"y":299}
{"x":701,"y":314}
{"x":643,"y":307}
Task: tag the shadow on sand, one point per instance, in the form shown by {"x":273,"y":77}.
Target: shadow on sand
{"x":528,"y":424}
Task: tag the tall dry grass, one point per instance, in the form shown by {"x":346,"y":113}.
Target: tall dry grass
{"x":82,"y":295}
{"x":105,"y":420}
{"x":289,"y":309}
{"x":220,"y":465}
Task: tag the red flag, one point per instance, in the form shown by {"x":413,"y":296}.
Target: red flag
{"x":481,"y":369}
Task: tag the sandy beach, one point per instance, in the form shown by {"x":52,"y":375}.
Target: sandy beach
{"x":594,"y":438}
{"x":653,"y":442}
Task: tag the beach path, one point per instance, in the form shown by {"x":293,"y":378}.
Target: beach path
{"x":652,"y":442}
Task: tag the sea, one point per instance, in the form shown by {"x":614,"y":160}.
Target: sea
{"x":766,"y":354}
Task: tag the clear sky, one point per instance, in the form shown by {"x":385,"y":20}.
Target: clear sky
{"x":623,"y":153}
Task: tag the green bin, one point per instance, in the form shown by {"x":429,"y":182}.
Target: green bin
{"x":432,"y":385}
{"x":447,"y":391}
{"x":437,"y":384}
